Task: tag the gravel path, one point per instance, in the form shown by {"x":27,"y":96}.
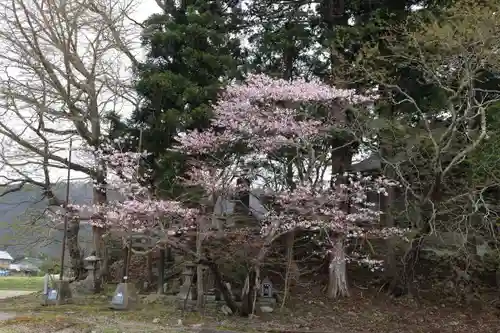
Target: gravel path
{"x":13,"y":293}
{"x":8,"y":294}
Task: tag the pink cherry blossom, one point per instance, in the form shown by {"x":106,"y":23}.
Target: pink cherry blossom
{"x":261,"y":117}
{"x":268,"y":114}
{"x":265,"y":115}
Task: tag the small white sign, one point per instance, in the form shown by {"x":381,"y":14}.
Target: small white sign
{"x":52,"y":295}
{"x":118,"y":299}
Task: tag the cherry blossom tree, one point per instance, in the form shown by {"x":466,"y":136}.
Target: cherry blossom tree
{"x":259,"y":121}
{"x":136,"y":209}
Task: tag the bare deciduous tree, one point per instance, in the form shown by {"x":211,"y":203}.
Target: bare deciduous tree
{"x":425,"y":138}
{"x":65,"y":65}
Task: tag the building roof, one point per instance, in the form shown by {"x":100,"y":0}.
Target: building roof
{"x":371,"y":163}
{"x":226,"y":206}
{"x":23,"y":268}
{"x":4,"y":255}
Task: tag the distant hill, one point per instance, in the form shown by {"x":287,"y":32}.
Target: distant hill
{"x":24,"y":231}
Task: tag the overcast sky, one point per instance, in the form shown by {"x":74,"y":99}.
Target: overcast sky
{"x":143,"y":10}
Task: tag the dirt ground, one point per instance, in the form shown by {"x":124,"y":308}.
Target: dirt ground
{"x":4,"y":294}
{"x":360,"y":313}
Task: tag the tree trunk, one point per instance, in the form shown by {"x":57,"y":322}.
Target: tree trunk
{"x":337,"y":273}
{"x":219,"y":283}
{"x":252,"y":282}
{"x":100,"y":250}
{"x":290,"y":240}
{"x":100,"y":198}
{"x":249,"y":292}
{"x":391,"y":269}
{"x":75,"y":254}
{"x":404,"y":282}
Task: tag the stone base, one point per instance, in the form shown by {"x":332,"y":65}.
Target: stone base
{"x":158,"y":298}
{"x":267,"y":301}
{"x":59,"y":294}
{"x":211,"y":302}
{"x":125,"y":297}
{"x":83,"y":287}
{"x":183,"y":294}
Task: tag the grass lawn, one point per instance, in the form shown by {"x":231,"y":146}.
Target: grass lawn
{"x":34,"y":283}
{"x":362,"y":312}
{"x":92,"y":314}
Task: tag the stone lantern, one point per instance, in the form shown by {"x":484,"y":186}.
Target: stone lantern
{"x":267,"y":293}
{"x":92,"y":262}
{"x":266,"y":288}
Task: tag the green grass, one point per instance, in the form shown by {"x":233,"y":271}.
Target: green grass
{"x":34,"y":283}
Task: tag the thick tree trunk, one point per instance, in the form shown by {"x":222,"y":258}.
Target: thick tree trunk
{"x":391,"y":269}
{"x":75,"y":254}
{"x":100,"y":198}
{"x":337,"y":273}
{"x":404,"y":282}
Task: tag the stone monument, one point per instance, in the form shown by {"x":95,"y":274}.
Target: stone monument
{"x":187,"y":288}
{"x":55,"y":292}
{"x":125,"y":296}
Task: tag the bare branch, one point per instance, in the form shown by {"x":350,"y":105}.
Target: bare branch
{"x":62,"y":70}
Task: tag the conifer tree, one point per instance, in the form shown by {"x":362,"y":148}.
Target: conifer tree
{"x":192,"y":50}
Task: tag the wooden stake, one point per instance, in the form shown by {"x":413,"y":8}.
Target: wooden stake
{"x":66,"y":213}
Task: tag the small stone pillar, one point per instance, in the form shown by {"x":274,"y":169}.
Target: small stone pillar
{"x":49,"y":295}
{"x":187,"y":289}
{"x":211,"y":292}
{"x":64,"y":292}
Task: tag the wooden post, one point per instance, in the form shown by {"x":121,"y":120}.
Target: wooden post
{"x":161,"y":272}
{"x":170,"y":260}
{"x":125,"y":263}
{"x":129,"y":252}
{"x":65,"y":231}
{"x":149,"y":267}
{"x":199,"y":269}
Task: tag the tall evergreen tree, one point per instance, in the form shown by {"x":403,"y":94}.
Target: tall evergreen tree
{"x":192,"y":49}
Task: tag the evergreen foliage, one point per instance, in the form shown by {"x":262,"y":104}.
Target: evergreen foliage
{"x":192,"y":51}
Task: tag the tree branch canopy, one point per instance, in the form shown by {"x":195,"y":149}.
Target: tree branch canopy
{"x":64,"y":67}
